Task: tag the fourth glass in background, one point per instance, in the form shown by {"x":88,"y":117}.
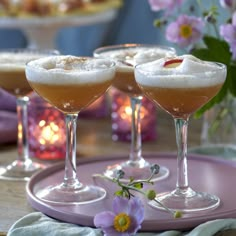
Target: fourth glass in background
{"x":126,"y":57}
{"x":13,"y":80}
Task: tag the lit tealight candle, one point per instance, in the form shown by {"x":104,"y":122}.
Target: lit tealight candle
{"x":121,"y":116}
{"x":47,"y":136}
{"x":50,"y":134}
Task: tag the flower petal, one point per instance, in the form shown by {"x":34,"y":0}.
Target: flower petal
{"x":120,"y":204}
{"x":134,"y":227}
{"x":137,"y":209}
{"x":175,"y":34}
{"x":110,"y":231}
{"x":104,"y":219}
{"x":169,"y":5}
{"x":228,"y":32}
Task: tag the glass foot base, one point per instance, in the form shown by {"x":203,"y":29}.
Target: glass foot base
{"x":76,"y":194}
{"x":138,"y":170}
{"x":20,"y":170}
{"x":186,"y":201}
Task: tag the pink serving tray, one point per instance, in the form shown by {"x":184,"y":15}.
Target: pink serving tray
{"x":209,"y":174}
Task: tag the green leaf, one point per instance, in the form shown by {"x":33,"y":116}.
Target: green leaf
{"x":215,"y":50}
{"x":138,"y":185}
{"x":219,"y":51}
{"x":119,"y":193}
{"x":231,"y":76}
{"x":131,"y":179}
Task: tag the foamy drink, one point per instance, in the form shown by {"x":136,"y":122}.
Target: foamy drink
{"x":126,"y":57}
{"x":70,"y":83}
{"x":12,"y":71}
{"x":181,"y":87}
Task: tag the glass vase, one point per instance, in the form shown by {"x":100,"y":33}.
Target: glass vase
{"x":218,"y":136}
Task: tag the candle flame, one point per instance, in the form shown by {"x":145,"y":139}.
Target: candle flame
{"x":126,"y":113}
{"x":49,"y":133}
{"x":128,"y":110}
{"x":20,"y":128}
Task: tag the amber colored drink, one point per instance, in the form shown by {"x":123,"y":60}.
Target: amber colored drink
{"x":70,"y":83}
{"x":14,"y":82}
{"x":70,"y":98}
{"x":125,"y":82}
{"x":12,"y":70}
{"x":126,"y":57}
{"x":181,"y":101}
{"x":182,"y":85}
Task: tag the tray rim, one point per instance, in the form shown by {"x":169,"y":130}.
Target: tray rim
{"x":86,"y":220}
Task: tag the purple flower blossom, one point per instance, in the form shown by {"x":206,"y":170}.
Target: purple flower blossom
{"x":125,"y":220}
{"x":185,"y":31}
{"x":228,"y":32}
{"x":229,"y":4}
{"x":169,"y":5}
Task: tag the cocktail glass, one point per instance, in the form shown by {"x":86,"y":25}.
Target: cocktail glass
{"x":70,"y":84}
{"x":13,"y":80}
{"x":180,"y":92}
{"x":126,"y":57}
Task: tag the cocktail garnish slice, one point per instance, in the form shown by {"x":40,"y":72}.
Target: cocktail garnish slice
{"x":172,"y":63}
{"x":127,"y":63}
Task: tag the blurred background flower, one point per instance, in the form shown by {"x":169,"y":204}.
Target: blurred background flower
{"x":206,"y":30}
{"x":168,"y":5}
{"x":185,"y":31}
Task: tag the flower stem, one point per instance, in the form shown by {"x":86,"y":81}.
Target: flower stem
{"x":137,"y":187}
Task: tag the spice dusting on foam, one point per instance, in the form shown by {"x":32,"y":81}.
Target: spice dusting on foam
{"x":70,"y":70}
{"x":128,"y":58}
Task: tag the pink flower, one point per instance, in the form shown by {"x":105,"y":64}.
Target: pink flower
{"x":229,"y":4}
{"x":185,"y":31}
{"x":228,"y":32}
{"x":124,"y":220}
{"x":157,"y":5}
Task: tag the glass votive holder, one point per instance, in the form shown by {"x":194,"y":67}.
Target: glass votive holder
{"x":121,"y":118}
{"x":98,"y":109}
{"x":47,"y":130}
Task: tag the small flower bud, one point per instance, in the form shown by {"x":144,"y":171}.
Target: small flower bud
{"x":155,"y":169}
{"x":120,"y":174}
{"x":151,"y":194}
{"x":178,"y":214}
{"x":210,"y":19}
{"x":192,"y":8}
{"x":159,"y":23}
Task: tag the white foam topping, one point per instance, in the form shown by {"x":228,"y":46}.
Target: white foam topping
{"x":69,"y":70}
{"x":128,"y":57}
{"x":16,"y":61}
{"x":191,"y":72}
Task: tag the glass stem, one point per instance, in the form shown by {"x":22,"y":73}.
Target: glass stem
{"x":136,"y":139}
{"x":70,"y":176}
{"x":181,"y":127}
{"x":22,"y":138}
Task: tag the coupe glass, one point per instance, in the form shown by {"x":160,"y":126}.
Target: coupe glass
{"x":126,"y":57}
{"x":70,"y":84}
{"x":180,"y":92}
{"x":13,"y":80}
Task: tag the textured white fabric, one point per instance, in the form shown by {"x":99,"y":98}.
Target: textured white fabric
{"x":38,"y":224}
